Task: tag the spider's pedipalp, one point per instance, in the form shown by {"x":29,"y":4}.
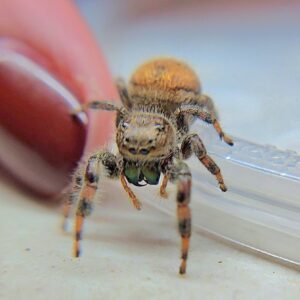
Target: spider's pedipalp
{"x":162,"y":191}
{"x":134,"y":200}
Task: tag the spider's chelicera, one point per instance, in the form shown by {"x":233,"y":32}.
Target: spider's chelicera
{"x":159,"y":104}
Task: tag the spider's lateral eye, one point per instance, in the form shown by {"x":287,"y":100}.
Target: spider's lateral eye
{"x":124,"y":125}
{"x":160,"y":127}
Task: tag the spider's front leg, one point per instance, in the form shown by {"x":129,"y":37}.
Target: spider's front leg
{"x":181,"y":174}
{"x":101,"y":164}
{"x":193,"y":144}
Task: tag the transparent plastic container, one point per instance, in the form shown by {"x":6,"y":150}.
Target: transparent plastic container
{"x":261,"y":209}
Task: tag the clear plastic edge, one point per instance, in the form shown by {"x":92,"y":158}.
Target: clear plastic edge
{"x":261,"y":209}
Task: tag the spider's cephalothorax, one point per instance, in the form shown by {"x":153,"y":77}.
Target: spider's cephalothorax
{"x":161,"y":100}
{"x":145,"y":136}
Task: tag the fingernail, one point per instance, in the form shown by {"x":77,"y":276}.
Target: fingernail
{"x":40,"y":141}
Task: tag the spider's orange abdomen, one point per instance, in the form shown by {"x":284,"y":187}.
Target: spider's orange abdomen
{"x":165,"y":74}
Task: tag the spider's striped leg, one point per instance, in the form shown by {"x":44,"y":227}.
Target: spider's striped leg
{"x":208,"y":104}
{"x":197,"y":111}
{"x":193,"y":144}
{"x":99,"y":165}
{"x":86,"y":195}
{"x":182,"y":175}
{"x":71,"y":198}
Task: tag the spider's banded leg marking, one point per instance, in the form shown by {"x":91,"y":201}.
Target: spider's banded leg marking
{"x":162,"y":191}
{"x":183,"y":177}
{"x":123,"y":92}
{"x":71,"y":198}
{"x":207,"y":102}
{"x":101,"y":164}
{"x":86,"y":195}
{"x":67,"y":206}
{"x":134,"y":200}
{"x":197,"y":111}
{"x":221,"y":133}
{"x":193,"y":144}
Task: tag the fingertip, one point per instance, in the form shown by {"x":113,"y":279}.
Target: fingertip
{"x":66,"y":50}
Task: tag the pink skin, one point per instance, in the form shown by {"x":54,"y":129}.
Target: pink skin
{"x":62,"y":44}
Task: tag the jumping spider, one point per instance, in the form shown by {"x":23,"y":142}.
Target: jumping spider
{"x":152,"y":134}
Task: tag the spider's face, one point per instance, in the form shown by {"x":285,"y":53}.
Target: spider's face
{"x":145,"y":136}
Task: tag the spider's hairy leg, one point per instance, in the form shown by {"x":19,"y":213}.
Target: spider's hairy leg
{"x":181,"y":174}
{"x":162,"y":191}
{"x":70,"y":198}
{"x":193,"y":144}
{"x":197,"y":111}
{"x":101,"y":164}
{"x":102,"y":105}
{"x":134,"y":200}
{"x":123,"y":92}
{"x":207,"y":103}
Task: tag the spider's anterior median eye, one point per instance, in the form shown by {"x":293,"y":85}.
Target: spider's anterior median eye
{"x":144,"y":151}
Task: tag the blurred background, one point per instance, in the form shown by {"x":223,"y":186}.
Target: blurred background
{"x":247,"y":54}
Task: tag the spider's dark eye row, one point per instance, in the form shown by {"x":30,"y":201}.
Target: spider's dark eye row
{"x":132,"y":150}
{"x":144,"y":151}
